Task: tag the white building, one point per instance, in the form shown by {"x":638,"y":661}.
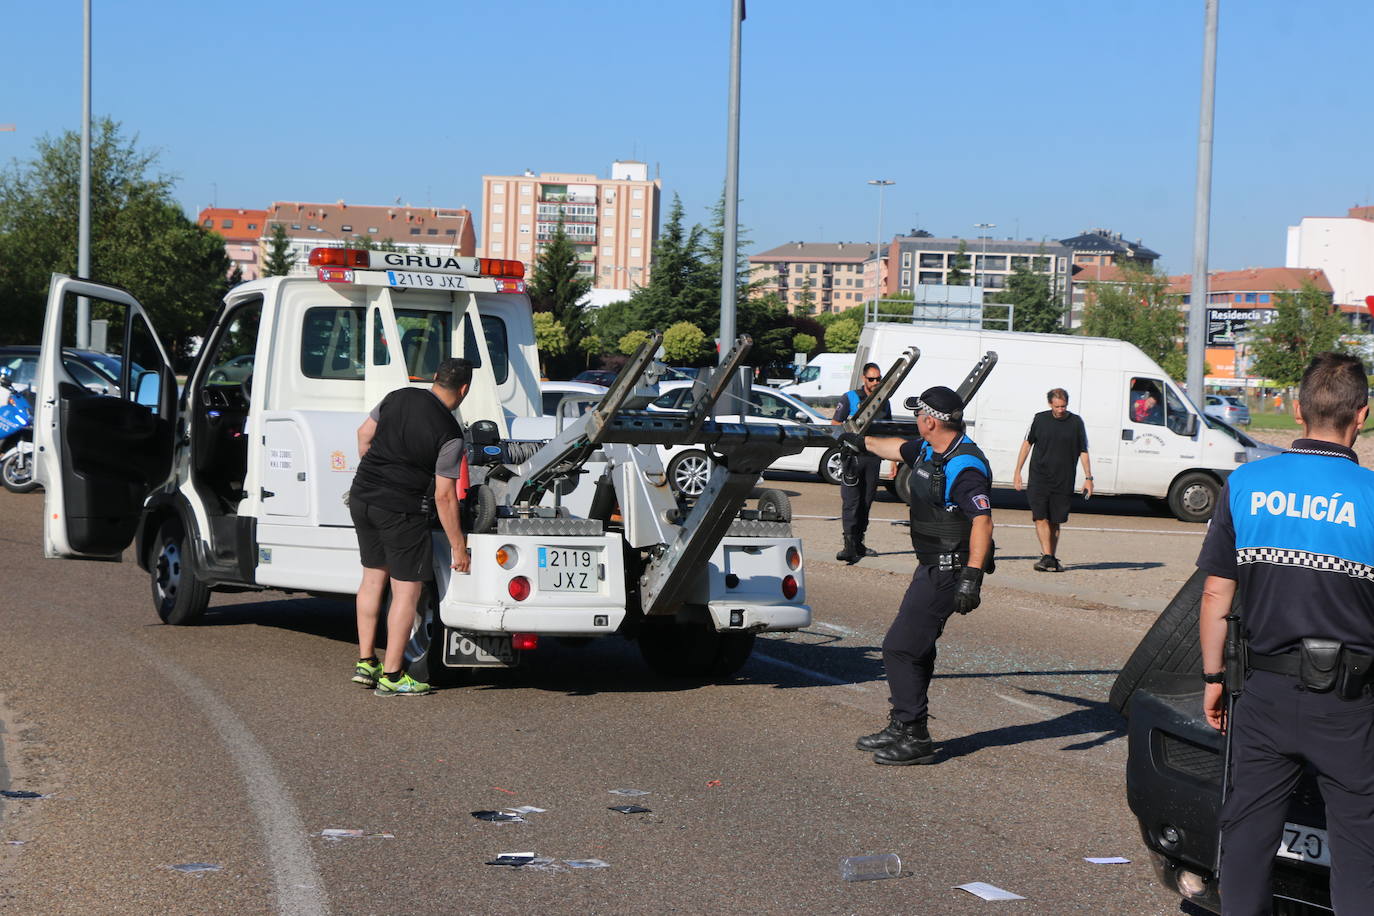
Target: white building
{"x":1343,"y":247}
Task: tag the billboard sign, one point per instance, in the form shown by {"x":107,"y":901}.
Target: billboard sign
{"x":1226,"y":326}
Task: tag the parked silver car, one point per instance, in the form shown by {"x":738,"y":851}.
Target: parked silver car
{"x":1228,"y":409}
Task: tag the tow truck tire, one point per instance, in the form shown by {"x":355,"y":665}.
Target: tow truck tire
{"x":829,"y":471}
{"x":774,"y":506}
{"x":1171,"y":644}
{"x":1193,"y":496}
{"x":178,"y":594}
{"x":693,"y":650}
{"x":423,"y":661}
{"x":17,"y":473}
{"x":483,"y":509}
{"x":688,"y":472}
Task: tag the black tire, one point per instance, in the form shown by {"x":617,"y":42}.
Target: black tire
{"x":693,"y":649}
{"x":901,"y":483}
{"x":178,"y":594}
{"x":483,"y":509}
{"x":1171,"y":644}
{"x":1193,"y":496}
{"x":774,"y":506}
{"x":423,"y":651}
{"x":829,"y":471}
{"x":688,"y":472}
{"x":16,"y":472}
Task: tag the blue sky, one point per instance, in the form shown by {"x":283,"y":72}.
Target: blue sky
{"x":1044,"y":117}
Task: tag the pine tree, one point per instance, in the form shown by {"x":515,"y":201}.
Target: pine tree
{"x":1034,"y":306}
{"x":557,"y":284}
{"x":280,"y":257}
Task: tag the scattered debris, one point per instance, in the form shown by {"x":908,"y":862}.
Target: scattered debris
{"x":507,"y":791}
{"x":353,"y":833}
{"x":586,"y":863}
{"x":513,"y":859}
{"x":17,"y":793}
{"x":714,"y":784}
{"x":14,"y":842}
{"x":525,"y":809}
{"x":987,"y":891}
{"x":871,"y":868}
{"x":499,"y":817}
{"x":630,"y":793}
{"x":1106,"y":860}
{"x":194,"y":868}
{"x":630,"y":809}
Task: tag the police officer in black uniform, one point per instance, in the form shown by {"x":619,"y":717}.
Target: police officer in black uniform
{"x":1295,"y":534}
{"x":860,"y":485}
{"x":951,"y":530}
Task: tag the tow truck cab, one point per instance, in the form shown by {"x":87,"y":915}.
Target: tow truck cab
{"x":239,"y":478}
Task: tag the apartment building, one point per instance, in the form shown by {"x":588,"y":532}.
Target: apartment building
{"x":241,"y":230}
{"x":816,"y":277}
{"x":1098,"y":256}
{"x":921,"y":259}
{"x":423,"y":230}
{"x":1340,"y":246}
{"x":613,"y":222}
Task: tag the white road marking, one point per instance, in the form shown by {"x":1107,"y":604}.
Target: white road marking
{"x":1065,"y":528}
{"x":294,"y":873}
{"x":818,"y":675}
{"x":1019,"y":702}
{"x":844,"y":631}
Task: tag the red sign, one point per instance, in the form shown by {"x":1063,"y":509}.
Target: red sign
{"x":1369,"y":301}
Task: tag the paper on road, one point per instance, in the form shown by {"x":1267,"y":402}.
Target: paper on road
{"x":988,"y":891}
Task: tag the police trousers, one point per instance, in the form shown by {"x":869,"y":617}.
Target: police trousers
{"x":856,"y":500}
{"x":909,"y":647}
{"x":1279,"y":725}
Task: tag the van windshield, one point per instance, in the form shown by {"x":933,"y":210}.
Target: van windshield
{"x":808,"y":374}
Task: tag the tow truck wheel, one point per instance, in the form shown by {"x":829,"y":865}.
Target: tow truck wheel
{"x":17,"y":472}
{"x":423,"y":661}
{"x":693,"y":649}
{"x":179,"y":596}
{"x":688,"y":472}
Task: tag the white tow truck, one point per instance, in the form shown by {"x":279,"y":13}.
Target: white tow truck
{"x":238,"y":479}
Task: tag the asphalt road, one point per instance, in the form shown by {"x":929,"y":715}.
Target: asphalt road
{"x":237,"y":742}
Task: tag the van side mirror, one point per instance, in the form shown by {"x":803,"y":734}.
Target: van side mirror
{"x":1190,"y":425}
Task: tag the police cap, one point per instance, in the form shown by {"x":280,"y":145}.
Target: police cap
{"x":940,"y":402}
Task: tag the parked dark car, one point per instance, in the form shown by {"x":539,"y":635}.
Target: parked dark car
{"x":596,"y":377}
{"x":97,"y":371}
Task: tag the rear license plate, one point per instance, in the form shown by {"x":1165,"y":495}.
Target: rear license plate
{"x":568,"y":569}
{"x":465,"y":650}
{"x":1306,"y":844}
{"x":411,"y":279}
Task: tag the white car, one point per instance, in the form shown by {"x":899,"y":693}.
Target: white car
{"x":688,"y":467}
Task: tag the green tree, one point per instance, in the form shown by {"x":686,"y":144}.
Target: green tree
{"x":632,"y":341}
{"x":280,"y":257}
{"x":140,"y":239}
{"x":557,"y":283}
{"x":1034,"y":305}
{"x":765,"y":319}
{"x":1139,"y":309}
{"x":591,"y":345}
{"x":550,"y":337}
{"x":714,"y":257}
{"x":804,"y":343}
{"x":680,"y":287}
{"x":806,"y":300}
{"x":684,"y":343}
{"x":1305,"y":324}
{"x":843,"y":336}
{"x":958,"y":267}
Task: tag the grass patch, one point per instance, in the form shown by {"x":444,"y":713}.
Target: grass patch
{"x":1282,"y":421}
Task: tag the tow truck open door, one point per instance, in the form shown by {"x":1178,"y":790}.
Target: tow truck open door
{"x":99,"y":455}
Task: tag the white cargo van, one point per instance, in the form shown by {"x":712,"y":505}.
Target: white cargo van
{"x":1160,"y":448}
{"x":824,"y":380}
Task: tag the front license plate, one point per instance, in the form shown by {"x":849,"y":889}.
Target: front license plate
{"x":465,"y":650}
{"x":425,"y":281}
{"x":568,"y":569}
{"x":1306,"y":844}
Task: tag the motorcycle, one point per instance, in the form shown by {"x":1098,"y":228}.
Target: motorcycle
{"x":16,"y":436}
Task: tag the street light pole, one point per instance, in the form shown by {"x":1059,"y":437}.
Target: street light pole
{"x":729,"y":279}
{"x":986,"y":227}
{"x":881,"y":184}
{"x":1202,"y":209}
{"x":83,"y":231}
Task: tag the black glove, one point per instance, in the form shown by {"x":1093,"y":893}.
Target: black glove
{"x":853,"y":443}
{"x":966,"y":590}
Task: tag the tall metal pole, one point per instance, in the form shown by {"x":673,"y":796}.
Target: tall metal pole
{"x":83,"y":232}
{"x":881,"y":184}
{"x":1202,"y":209}
{"x":728,"y":278}
{"x":986,"y":227}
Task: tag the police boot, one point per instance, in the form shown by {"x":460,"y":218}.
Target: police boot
{"x":864,"y":550}
{"x":912,"y":745}
{"x":882,"y":739}
{"x":849,"y":553}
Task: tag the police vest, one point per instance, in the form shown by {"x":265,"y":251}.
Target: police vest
{"x":397,"y":473}
{"x":855,"y":398}
{"x":938,"y":525}
{"x":1304,"y":538}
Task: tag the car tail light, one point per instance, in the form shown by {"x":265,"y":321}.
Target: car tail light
{"x":524,"y":642}
{"x":793,"y":558}
{"x":506,"y":556}
{"x":789,"y":587}
{"x":519,"y":588}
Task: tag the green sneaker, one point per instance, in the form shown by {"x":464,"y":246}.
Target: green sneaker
{"x":407,"y":686}
{"x":367,"y":673}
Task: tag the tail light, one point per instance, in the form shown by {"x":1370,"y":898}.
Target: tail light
{"x":524,"y":642}
{"x":793,"y":558}
{"x":789,"y":587}
{"x":506,"y":556}
{"x":519,"y":588}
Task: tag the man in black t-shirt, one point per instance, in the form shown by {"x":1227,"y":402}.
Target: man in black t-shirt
{"x":1060,"y":440}
{"x":411,"y":451}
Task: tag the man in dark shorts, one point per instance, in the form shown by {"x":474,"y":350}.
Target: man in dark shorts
{"x":1060,"y":440}
{"x":411,"y":450}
